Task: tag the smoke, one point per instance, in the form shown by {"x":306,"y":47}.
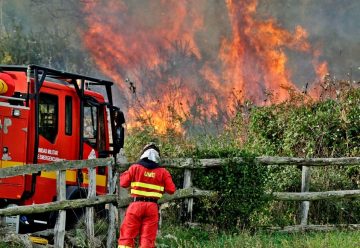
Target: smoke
{"x":206,"y":57}
{"x":332,"y":26}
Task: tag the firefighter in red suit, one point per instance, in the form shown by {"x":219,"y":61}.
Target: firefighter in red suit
{"x":147,"y":182}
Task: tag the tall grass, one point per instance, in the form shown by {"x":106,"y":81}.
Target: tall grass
{"x":196,"y":238}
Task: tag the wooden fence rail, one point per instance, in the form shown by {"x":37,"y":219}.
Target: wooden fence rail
{"x":315,"y":196}
{"x":174,"y":163}
{"x":97,"y":200}
{"x":188,"y":192}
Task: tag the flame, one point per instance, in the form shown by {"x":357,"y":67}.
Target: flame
{"x":183,"y":69}
{"x":321,"y":68}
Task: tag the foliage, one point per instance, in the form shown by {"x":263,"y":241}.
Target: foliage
{"x":10,"y":245}
{"x":6,"y":245}
{"x":328,"y":128}
{"x":171,"y":144}
{"x":304,"y":128}
{"x":11,"y":239}
{"x":77,"y":237}
{"x":240,"y":190}
{"x":46,"y":48}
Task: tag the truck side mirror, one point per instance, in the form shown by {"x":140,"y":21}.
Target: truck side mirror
{"x":119,"y":132}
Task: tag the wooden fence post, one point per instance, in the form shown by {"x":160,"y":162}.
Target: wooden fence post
{"x":89,"y":219}
{"x":305,"y":186}
{"x":59,"y":231}
{"x":122,"y":193}
{"x":190,"y":201}
{"x":112,"y":179}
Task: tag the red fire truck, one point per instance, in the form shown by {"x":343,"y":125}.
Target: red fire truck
{"x":49,"y":115}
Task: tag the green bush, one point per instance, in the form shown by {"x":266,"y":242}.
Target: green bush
{"x":301,"y":128}
{"x":329,"y":128}
{"x":240,"y":188}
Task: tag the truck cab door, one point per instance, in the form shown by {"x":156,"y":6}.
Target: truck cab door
{"x":13,"y":147}
{"x":95,"y":136}
{"x":90,"y":134}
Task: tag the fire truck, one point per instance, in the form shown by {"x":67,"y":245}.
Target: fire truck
{"x":49,"y":115}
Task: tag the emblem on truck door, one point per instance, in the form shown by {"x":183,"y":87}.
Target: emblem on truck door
{"x":5,"y":155}
{"x":7,"y":123}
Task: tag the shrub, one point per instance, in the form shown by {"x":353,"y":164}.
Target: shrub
{"x":240,"y":188}
{"x":326,"y":128}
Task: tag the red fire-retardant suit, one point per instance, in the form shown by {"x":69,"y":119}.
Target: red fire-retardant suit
{"x":147,"y":184}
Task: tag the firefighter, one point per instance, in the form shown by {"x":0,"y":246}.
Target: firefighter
{"x":147,"y":182}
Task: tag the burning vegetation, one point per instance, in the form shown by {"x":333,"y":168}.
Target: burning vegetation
{"x":192,"y":62}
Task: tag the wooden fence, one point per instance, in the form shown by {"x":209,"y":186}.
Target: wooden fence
{"x":188,"y":192}
{"x":305,"y":197}
{"x":62,"y":204}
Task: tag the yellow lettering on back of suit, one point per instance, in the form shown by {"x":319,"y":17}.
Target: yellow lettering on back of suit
{"x":149,"y":174}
